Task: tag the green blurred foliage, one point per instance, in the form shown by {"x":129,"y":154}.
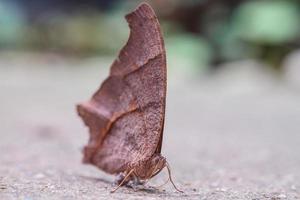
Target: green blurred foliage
{"x":80,"y":33}
{"x":189,"y":53}
{"x":268,"y":22}
{"x":198,"y":33}
{"x":265,"y":29}
{"x":11,"y":25}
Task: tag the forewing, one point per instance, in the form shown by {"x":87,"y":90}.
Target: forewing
{"x":126,"y":114}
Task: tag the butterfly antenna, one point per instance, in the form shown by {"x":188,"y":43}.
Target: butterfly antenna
{"x":124,"y":179}
{"x":170,"y":177}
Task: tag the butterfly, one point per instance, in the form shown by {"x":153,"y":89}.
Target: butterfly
{"x":126,"y":115}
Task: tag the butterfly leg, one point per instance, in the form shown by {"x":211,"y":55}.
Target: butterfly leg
{"x":170,"y":177}
{"x":136,"y":180}
{"x":135,"y":183}
{"x":123,"y":181}
{"x":119,"y":178}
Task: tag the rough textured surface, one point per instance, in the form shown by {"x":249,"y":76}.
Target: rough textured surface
{"x":234,"y":135}
{"x":126,"y":115}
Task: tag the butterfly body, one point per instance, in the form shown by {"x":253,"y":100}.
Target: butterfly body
{"x":126,"y":114}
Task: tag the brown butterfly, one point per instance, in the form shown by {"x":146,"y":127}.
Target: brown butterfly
{"x":126,"y":115}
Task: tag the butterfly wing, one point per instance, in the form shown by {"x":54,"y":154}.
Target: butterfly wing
{"x":126,"y":115}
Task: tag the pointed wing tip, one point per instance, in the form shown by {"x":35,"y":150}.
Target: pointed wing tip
{"x":80,"y":109}
{"x":84,"y":110}
{"x":144,"y":5}
{"x":143,"y":10}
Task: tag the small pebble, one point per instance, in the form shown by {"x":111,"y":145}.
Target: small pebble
{"x":282,"y":196}
{"x":221,"y":189}
{"x":214,"y":184}
{"x":2,"y":187}
{"x":39,"y":176}
{"x":51,"y":187}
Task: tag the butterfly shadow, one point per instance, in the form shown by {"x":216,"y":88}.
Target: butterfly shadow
{"x":94,"y":179}
{"x":132,"y":187}
{"x":145,"y":188}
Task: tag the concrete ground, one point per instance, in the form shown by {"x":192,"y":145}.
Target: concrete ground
{"x":231,"y":135}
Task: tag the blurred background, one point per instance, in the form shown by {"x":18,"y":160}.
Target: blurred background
{"x":201,"y":33}
{"x":233,"y":103}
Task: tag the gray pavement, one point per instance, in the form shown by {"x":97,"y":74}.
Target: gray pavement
{"x":231,"y":135}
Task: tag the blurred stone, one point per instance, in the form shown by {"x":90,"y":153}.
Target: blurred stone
{"x":243,"y":77}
